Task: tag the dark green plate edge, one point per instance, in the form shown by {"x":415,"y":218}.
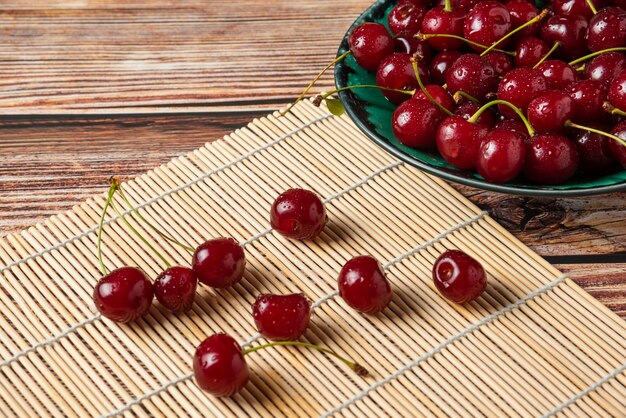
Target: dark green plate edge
{"x":354,"y":109}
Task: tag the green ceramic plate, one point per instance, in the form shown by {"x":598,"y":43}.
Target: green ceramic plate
{"x":371,"y":112}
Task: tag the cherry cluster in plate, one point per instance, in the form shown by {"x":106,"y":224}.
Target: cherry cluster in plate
{"x":504,"y":88}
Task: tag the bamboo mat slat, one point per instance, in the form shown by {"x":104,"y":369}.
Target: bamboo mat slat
{"x":534,"y":344}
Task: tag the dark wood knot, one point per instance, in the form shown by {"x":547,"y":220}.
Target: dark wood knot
{"x":528,"y":213}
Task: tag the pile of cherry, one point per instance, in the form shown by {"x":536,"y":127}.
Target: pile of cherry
{"x":558,"y":76}
{"x":126,"y":293}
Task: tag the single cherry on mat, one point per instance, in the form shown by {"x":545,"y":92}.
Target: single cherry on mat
{"x":124,"y":294}
{"x":370,"y":43}
{"x":175,"y":288}
{"x":459,"y":277}
{"x":363,"y":285}
{"x":219,"y":366}
{"x":298,"y":214}
{"x":281,"y":317}
{"x":219,"y":262}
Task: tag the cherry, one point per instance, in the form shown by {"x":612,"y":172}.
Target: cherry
{"x":370,"y":43}
{"x":558,"y":74}
{"x":298,"y":214}
{"x":617,"y":91}
{"x":175,"y":288}
{"x":124,"y":294}
{"x":467,"y":109}
{"x":588,"y":96}
{"x":438,"y":93}
{"x":458,"y":141}
{"x":550,"y":159}
{"x":461,"y":5}
{"x":605,"y":67}
{"x":500,"y":62}
{"x":281,"y":317}
{"x":219,"y":366}
{"x":408,"y":44}
{"x":595,"y":155}
{"x":518,"y":87}
{"x":459,"y":277}
{"x":619,"y":150}
{"x":514,"y":125}
{"x":419,"y":3}
{"x":607,"y":29}
{"x":441,"y":64}
{"x":405,"y":17}
{"x":439,"y":21}
{"x":574,"y":7}
{"x":549,"y":111}
{"x":522,"y":11}
{"x":501,"y":155}
{"x":414,"y":123}
{"x":487,"y":23}
{"x":569,"y":31}
{"x":363,"y":285}
{"x":396,"y":72}
{"x":473,"y":75}
{"x":529,"y":51}
{"x":219,"y":262}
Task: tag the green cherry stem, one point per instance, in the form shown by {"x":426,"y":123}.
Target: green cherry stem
{"x":537,"y":18}
{"x":321,"y":73}
{"x":425,"y":91}
{"x":457,"y":97}
{"x":475,"y":116}
{"x":120,"y":191}
{"x":609,"y":108}
{"x":593,"y":54}
{"x":545,"y":57}
{"x":592,"y":7}
{"x":447,"y":6}
{"x":424,"y":36}
{"x":114,"y":185}
{"x":132,"y":228}
{"x":360,"y":370}
{"x":318,"y":100}
{"x":571,"y":124}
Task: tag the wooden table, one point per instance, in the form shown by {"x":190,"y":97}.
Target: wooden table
{"x":91,"y":88}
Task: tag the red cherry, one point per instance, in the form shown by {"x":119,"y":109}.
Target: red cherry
{"x":522,"y":11}
{"x":370,"y":43}
{"x":617,"y":91}
{"x":549,"y":111}
{"x":518,"y":87}
{"x":405,"y":42}
{"x":515,"y":125}
{"x":558,"y":74}
{"x":569,"y":31}
{"x":363,"y":285}
{"x":282,"y":317}
{"x":501,"y":156}
{"x":605,"y":67}
{"x":441,"y":64}
{"x":595,"y":155}
{"x":467,"y":109}
{"x":438,"y":21}
{"x":124,"y":294}
{"x":487,"y":23}
{"x":499,"y":61}
{"x":588,"y":96}
{"x":219,"y":366}
{"x":219,"y":262}
{"x":618,"y":150}
{"x":574,"y":7}
{"x":529,"y":51}
{"x":460,"y":5}
{"x":550,"y":159}
{"x":175,"y":288}
{"x":396,"y":72}
{"x":458,"y":141}
{"x":405,"y":17}
{"x":438,"y":93}
{"x":298,"y":214}
{"x":473,"y":75}
{"x":459,"y":277}
{"x":414,"y":123}
{"x":607,"y":29}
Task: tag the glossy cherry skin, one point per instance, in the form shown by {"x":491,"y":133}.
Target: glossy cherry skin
{"x":415,"y":122}
{"x":549,"y":111}
{"x":550,"y":159}
{"x":588,"y":96}
{"x":487,"y":23}
{"x":617,"y":91}
{"x":522,"y":11}
{"x":370,"y":43}
{"x":458,"y":141}
{"x":460,"y":5}
{"x":500,"y":62}
{"x":298,"y":214}
{"x":529,"y":51}
{"x":466,"y":110}
{"x":501,"y":156}
{"x":363,"y":286}
{"x":281,"y":317}
{"x":459,"y":277}
{"x":408,"y":44}
{"x":574,"y":7}
{"x":558,"y":74}
{"x":618,"y":150}
{"x":473,"y":75}
{"x":219,"y":366}
{"x":437,"y":20}
{"x":595,"y":155}
{"x":607,"y":29}
{"x":124,"y":294}
{"x":175,"y":288}
{"x":515,"y":125}
{"x":519,"y":87}
{"x":441,"y":64}
{"x":396,"y":72}
{"x":405,"y":17}
{"x":219,"y":262}
{"x":569,"y":31}
{"x":438,"y":93}
{"x":605,"y":67}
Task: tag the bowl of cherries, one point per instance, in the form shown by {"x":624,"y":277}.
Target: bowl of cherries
{"x":510,"y":96}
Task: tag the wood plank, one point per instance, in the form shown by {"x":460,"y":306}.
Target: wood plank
{"x":125,"y":56}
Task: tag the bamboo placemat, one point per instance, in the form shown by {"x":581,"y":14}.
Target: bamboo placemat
{"x":534,"y":344}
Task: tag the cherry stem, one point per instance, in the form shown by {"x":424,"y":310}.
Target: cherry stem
{"x":447,"y":6}
{"x":424,"y":36}
{"x":592,"y":7}
{"x":132,"y":228}
{"x":363,"y":86}
{"x":425,"y":91}
{"x":571,"y":124}
{"x":321,"y":73}
{"x":609,"y":108}
{"x":537,"y":18}
{"x":360,"y":370}
{"x":475,"y":116}
{"x":457,"y":97}
{"x":147,"y":222}
{"x":545,"y":57}
{"x":593,"y":54}
{"x":114,"y":185}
